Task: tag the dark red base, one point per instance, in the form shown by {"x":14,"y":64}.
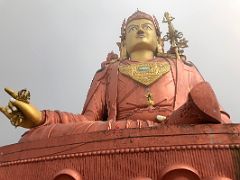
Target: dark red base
{"x":170,"y":152}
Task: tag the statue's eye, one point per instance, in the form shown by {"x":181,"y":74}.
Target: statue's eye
{"x":134,"y":28}
{"x":147,"y":27}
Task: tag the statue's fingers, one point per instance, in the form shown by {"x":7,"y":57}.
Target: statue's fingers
{"x":6,"y":111}
{"x":2,"y":109}
{"x":13,"y":118}
{"x":11,"y":92}
{"x":20,"y":120}
{"x":16,"y":120}
{"x":12,"y":107}
{"x":13,"y":122}
{"x":22,"y":106}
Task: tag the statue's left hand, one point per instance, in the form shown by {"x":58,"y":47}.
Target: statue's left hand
{"x":19,"y":111}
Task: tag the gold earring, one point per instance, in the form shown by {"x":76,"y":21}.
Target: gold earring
{"x":122,"y":49}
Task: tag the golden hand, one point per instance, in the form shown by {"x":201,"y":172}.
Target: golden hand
{"x":20,"y":111}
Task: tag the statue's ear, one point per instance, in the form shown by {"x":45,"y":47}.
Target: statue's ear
{"x":160,"y":47}
{"x":122,"y":49}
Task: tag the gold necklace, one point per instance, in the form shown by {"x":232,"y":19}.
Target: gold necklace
{"x":145,"y":73}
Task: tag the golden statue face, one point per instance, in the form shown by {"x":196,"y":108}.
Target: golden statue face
{"x":141,"y":35}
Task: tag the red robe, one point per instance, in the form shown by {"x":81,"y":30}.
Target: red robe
{"x":117,"y":101}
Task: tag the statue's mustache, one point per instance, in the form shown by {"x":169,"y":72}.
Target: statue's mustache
{"x":140,"y":35}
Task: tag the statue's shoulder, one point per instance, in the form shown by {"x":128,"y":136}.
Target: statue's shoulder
{"x":189,"y":66}
{"x":111,"y":59}
{"x":172,"y":59}
{"x":187,"y":62}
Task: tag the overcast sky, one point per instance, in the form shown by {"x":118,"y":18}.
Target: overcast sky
{"x":54,"y":47}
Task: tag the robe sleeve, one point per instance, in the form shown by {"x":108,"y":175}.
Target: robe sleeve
{"x":196,"y":78}
{"x":94,"y":108}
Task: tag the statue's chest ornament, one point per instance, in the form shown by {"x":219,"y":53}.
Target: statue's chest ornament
{"x":145,"y":73}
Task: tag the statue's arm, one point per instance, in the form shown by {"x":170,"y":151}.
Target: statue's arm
{"x":196,"y":78}
{"x":94,"y":107}
{"x":54,"y":117}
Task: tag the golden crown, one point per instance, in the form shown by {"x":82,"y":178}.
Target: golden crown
{"x":139,"y":15}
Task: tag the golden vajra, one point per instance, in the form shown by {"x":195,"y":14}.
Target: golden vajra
{"x":150,"y":101}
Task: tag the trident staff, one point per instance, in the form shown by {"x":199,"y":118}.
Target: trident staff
{"x":176,"y":38}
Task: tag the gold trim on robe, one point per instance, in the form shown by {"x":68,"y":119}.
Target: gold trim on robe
{"x":145,"y":73}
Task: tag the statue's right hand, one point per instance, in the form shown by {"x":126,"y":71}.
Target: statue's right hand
{"x":20,"y":111}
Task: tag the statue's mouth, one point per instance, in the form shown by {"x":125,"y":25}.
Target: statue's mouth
{"x":140,"y":36}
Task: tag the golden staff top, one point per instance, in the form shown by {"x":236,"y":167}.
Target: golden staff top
{"x":178,"y":43}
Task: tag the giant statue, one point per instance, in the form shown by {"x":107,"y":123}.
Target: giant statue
{"x":144,"y":87}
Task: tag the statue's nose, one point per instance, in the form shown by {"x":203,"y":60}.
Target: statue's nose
{"x":140,"y":32}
